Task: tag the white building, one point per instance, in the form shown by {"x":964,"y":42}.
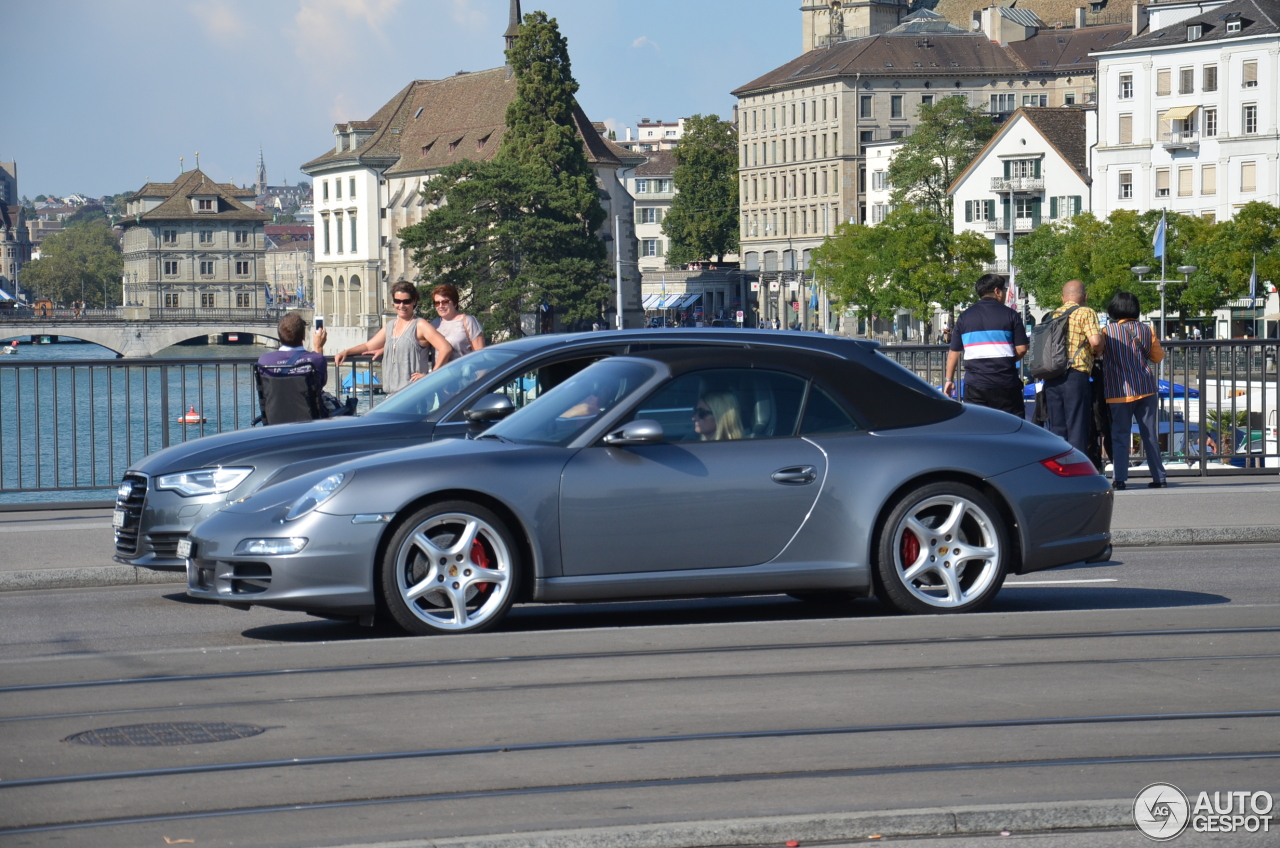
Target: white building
{"x":653,"y":136}
{"x":649,"y":182}
{"x":879,"y":155}
{"x":367,"y":188}
{"x":1187,"y":120}
{"x":1032,"y":171}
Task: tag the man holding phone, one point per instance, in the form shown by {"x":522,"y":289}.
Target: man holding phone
{"x":292,"y":330}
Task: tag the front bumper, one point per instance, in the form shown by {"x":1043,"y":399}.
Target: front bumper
{"x":155,"y":522}
{"x":1062,"y":520}
{"x":333,"y":574}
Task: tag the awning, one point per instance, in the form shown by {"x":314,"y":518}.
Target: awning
{"x":1180,"y":113}
{"x":4,"y":295}
{"x":690,"y":300}
{"x":669,"y":301}
{"x":650,"y":301}
{"x":1274,"y":316}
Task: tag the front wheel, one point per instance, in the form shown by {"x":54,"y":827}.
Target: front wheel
{"x":451,"y":568}
{"x":943,"y":549}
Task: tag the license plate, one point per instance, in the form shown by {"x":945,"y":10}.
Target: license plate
{"x":184,"y":549}
{"x":117,"y":518}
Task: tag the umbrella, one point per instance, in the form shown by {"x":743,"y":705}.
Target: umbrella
{"x":360,"y":378}
{"x":1179,"y":390}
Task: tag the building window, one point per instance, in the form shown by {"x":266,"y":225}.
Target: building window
{"x":326,"y":190}
{"x":1209,"y":179}
{"x":979,"y":210}
{"x":206,"y":300}
{"x":1250,"y":118}
{"x":1248,"y":176}
{"x":1210,"y":123}
{"x":337,"y":188}
{"x":1250,"y":76}
{"x":351,"y":186}
{"x":243,"y":300}
{"x":206,"y":268}
{"x":171,"y":300}
{"x":242,"y":236}
{"x":642,"y":186}
{"x":337,"y":228}
{"x":878,"y":212}
{"x":1066,"y":206}
{"x":1003,"y":103}
{"x":170,"y":268}
{"x":1126,"y":129}
{"x":242,"y":268}
{"x":169,"y":236}
{"x":204,"y":205}
{"x":352,"y":218}
{"x":1024,"y":208}
{"x":1209,"y":80}
{"x":1210,"y":216}
{"x":1233,"y":26}
{"x":326,"y":233}
{"x":926,"y":100}
{"x":1126,"y":185}
{"x":1020,"y":168}
{"x":1068,"y":98}
{"x":1162,"y":82}
{"x":1184,"y":182}
{"x":1194,"y":31}
{"x":879,"y":180}
{"x":1186,"y":80}
{"x":1035,"y":100}
{"x":864,"y":106}
{"x":895,"y":106}
{"x":1162,"y":182}
{"x":206,"y":236}
{"x":647,"y":215}
{"x":651,"y":247}
{"x":1126,"y":86}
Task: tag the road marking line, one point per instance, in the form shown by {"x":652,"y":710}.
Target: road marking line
{"x":1063,"y":582}
{"x":45,"y":528}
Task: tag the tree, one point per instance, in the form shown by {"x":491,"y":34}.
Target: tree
{"x":950,"y":134}
{"x":703,"y":220}
{"x":520,"y":231}
{"x":40,"y":198}
{"x":83,"y":262}
{"x":88,"y":212}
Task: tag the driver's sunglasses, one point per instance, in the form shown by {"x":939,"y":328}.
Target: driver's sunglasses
{"x":398,"y":302}
{"x":702,"y":412}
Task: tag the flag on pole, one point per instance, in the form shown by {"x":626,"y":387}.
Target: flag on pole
{"x":1253,"y":284}
{"x":1159,"y":239}
{"x":270,"y":299}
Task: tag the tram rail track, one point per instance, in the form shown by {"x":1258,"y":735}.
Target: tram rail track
{"x":576,"y":656}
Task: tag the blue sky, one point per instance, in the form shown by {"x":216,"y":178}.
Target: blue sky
{"x":108,"y":93}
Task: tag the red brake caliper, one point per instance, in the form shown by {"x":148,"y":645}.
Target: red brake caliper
{"x":910,"y":549}
{"x":481,"y":558}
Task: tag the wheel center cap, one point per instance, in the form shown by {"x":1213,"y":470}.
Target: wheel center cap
{"x":453,"y":571}
{"x":943,"y":550}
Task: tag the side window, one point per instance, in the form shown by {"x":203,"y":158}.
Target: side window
{"x":824,"y":415}
{"x":529,"y":386}
{"x":726,"y":404}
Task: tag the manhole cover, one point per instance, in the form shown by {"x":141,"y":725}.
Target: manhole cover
{"x":165,"y":734}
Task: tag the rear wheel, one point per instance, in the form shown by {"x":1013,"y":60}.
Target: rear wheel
{"x":451,"y":568}
{"x":943,"y":549}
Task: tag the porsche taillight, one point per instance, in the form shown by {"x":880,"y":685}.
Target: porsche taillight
{"x":1073,"y":463}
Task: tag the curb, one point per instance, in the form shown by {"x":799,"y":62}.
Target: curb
{"x":96,"y":577}
{"x":88,"y":577}
{"x":807,"y":829}
{"x":1194,"y":536}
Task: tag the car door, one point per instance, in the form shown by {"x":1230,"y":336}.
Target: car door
{"x":729,"y":493}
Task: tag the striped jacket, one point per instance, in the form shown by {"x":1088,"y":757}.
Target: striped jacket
{"x":1126,"y":375}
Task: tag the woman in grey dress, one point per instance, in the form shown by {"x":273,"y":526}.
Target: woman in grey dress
{"x":462,"y":331}
{"x":406,"y":343}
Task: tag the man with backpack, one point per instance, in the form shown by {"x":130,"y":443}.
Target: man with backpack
{"x":993,"y":340}
{"x":1067,"y":396}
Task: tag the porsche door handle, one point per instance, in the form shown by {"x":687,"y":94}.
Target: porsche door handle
{"x":797,"y":475}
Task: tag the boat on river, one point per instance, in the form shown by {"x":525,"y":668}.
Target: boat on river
{"x":191,"y":417}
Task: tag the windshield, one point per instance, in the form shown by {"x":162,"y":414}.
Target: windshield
{"x":566,"y":411}
{"x":425,"y":396}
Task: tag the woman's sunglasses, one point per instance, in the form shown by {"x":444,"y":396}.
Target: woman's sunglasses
{"x":398,"y":302}
{"x":702,"y":412}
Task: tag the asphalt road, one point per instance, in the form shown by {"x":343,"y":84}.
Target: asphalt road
{"x":1081,"y":684}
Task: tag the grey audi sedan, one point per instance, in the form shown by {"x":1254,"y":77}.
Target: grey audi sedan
{"x":164,"y":495}
{"x":809,"y":465}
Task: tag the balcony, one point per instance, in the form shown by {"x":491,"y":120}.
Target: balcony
{"x":1181,"y":141}
{"x":1021,"y":225}
{"x":1017,"y":184}
{"x":1000,"y":266}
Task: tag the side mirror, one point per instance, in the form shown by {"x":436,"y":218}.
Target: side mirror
{"x":492,"y":407}
{"x":642,"y":432}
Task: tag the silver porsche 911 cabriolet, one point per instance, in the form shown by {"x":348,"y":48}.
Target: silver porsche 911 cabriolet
{"x":816,"y":467}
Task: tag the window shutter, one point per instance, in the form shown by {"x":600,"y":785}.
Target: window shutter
{"x":1075,"y":203}
{"x":1248,"y":176}
{"x":1250,"y":74}
{"x":991,"y":210}
{"x":1162,"y":82}
{"x":1036,"y":166}
{"x":1053,"y":208}
{"x":1209,"y":179}
{"x":1006,"y":169}
{"x":1126,"y":129}
{"x":661,"y":247}
{"x":968,"y":211}
{"x":1004,"y":201}
{"x":1035,"y":211}
{"x":1184,"y":182}
{"x":1162,"y":182}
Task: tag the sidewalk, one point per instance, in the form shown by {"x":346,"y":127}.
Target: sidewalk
{"x":72,"y":548}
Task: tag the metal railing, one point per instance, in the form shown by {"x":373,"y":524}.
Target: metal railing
{"x":41,"y":315}
{"x":1218,"y":404}
{"x":77,"y":425}
{"x":1017,"y":184}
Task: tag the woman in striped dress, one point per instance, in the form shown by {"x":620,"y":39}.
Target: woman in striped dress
{"x":1131,"y":387}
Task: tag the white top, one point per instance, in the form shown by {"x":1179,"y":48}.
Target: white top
{"x":459,"y":332}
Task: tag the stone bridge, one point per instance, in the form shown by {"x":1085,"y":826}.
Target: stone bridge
{"x":138,"y":331}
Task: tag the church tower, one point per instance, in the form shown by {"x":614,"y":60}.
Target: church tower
{"x":513,"y":27}
{"x":261,"y":185}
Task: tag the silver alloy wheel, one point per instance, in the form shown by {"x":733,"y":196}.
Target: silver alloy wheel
{"x":441,"y":581}
{"x":946,"y":551}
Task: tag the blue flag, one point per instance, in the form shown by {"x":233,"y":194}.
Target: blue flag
{"x":1159,"y":239}
{"x":270,"y":298}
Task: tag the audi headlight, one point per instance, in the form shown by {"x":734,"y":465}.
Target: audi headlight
{"x":205,"y":481}
{"x":316,"y":495}
{"x":270,"y":547}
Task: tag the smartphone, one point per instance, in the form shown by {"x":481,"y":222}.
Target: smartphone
{"x":319,"y":323}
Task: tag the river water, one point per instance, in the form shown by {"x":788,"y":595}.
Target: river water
{"x":73,"y":416}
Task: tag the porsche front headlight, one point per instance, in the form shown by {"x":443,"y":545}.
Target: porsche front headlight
{"x":316,"y":495}
{"x":203,"y":481}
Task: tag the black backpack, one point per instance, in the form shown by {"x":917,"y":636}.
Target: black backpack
{"x":1050,"y":358}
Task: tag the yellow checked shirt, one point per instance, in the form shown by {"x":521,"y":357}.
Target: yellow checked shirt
{"x":1082,"y":324}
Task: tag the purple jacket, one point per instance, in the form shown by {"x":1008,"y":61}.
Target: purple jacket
{"x":282,"y":356}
